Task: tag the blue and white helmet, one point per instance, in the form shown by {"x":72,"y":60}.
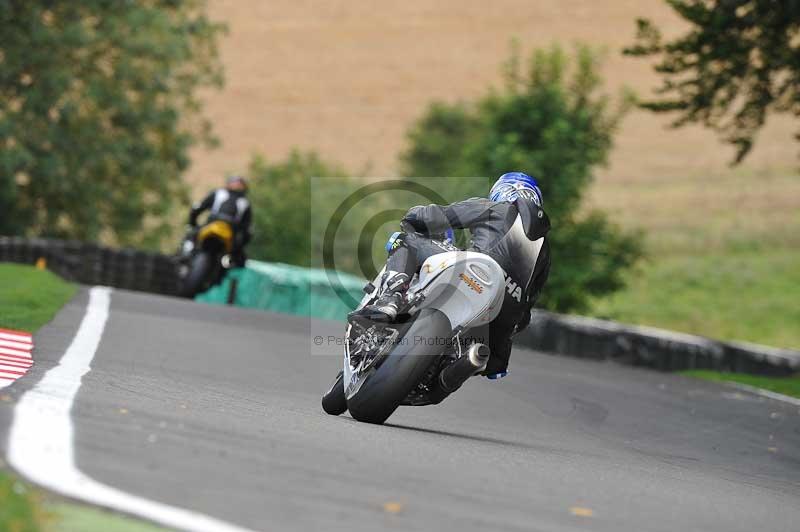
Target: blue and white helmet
{"x":515,"y":185}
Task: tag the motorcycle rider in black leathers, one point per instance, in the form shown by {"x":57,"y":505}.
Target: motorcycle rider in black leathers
{"x":231,"y":205}
{"x":510,"y":227}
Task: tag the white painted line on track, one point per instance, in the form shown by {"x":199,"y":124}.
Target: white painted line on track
{"x":41,"y":440}
{"x":765,"y":393}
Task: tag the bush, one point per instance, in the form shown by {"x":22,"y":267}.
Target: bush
{"x":549,"y":121}
{"x":281,"y":196}
{"x":309,"y":212}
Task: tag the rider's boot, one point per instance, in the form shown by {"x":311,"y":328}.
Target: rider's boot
{"x":385,"y":309}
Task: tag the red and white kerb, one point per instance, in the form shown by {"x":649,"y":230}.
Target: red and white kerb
{"x":15,"y":355}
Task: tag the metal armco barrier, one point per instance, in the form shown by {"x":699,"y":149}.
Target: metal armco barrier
{"x":650,"y":347}
{"x":95,"y":265}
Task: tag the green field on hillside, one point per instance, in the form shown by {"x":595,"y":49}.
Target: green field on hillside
{"x":735,"y":296}
{"x":723,"y":256}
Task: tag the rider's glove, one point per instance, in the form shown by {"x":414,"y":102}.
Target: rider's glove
{"x":427,"y":219}
{"x":412,"y":224}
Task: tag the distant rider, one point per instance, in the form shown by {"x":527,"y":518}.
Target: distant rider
{"x":510,"y":227}
{"x":229,"y":204}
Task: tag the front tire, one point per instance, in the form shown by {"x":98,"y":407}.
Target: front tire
{"x":383,"y":391}
{"x":197,"y":276}
{"x":334,"y":402}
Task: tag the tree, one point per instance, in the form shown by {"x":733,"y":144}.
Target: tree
{"x":549,"y":121}
{"x":282,"y":203}
{"x":310,"y":212}
{"x":98,"y":110}
{"x":739,"y":62}
{"x":8,"y":223}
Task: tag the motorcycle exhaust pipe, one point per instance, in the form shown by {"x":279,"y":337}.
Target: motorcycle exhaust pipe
{"x":457,"y":373}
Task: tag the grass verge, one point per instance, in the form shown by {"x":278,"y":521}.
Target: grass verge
{"x":25,"y":509}
{"x":783,"y":385}
{"x":29,"y":298}
{"x":69,"y":517}
{"x":21,"y":509}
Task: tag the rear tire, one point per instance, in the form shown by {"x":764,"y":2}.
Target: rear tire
{"x":385,"y":390}
{"x":334,"y":401}
{"x":197,"y":276}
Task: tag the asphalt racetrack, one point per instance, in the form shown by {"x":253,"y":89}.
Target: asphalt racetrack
{"x":217,"y":411}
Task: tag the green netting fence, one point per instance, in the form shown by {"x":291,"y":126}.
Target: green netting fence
{"x":290,"y":290}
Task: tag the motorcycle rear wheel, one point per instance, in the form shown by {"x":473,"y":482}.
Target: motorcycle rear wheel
{"x":383,"y":391}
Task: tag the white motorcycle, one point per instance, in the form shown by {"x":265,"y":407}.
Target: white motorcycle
{"x":428,"y":348}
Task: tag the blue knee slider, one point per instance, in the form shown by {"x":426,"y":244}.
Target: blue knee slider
{"x":495,"y":376}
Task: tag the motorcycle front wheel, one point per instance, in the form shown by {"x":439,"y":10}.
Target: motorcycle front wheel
{"x":197,"y":276}
{"x":385,"y":389}
{"x":334,"y":401}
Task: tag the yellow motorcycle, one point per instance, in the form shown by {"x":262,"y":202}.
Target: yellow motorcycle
{"x":205,"y":257}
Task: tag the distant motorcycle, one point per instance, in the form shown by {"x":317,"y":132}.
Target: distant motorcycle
{"x":429,"y":345}
{"x":204,"y":257}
